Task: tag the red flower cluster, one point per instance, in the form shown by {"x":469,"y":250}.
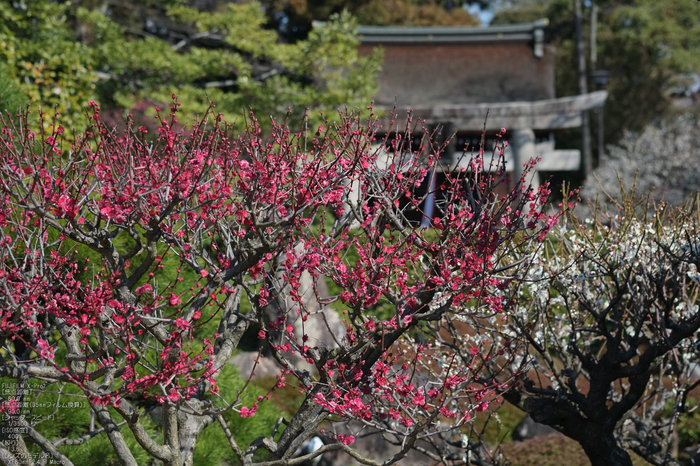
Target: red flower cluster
{"x":123,"y":252}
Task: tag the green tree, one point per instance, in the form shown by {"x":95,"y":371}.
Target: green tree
{"x":63,"y":54}
{"x":231,"y":57}
{"x":295,"y":19}
{"x":415,"y":13}
{"x":10,"y":91}
{"x":43,"y":58}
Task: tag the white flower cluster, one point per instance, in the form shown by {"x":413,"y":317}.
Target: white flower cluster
{"x":599,"y":265}
{"x":662,"y":158}
{"x":439,"y":300}
{"x":693,"y":273}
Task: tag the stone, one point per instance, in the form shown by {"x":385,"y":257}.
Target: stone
{"x":528,"y":429}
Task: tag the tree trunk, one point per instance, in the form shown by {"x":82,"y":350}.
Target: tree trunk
{"x":603,"y":450}
{"x":190,"y":427}
{"x":594,"y":434}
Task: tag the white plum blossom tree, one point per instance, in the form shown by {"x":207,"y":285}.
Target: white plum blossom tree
{"x":609,"y":309}
{"x":663,"y":159}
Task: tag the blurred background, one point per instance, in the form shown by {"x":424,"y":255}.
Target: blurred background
{"x":306,"y":56}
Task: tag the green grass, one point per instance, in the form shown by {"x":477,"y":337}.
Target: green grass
{"x":212,"y":448}
{"x":500,"y":426}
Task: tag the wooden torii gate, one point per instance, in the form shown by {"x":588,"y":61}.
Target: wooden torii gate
{"x":521,"y":119}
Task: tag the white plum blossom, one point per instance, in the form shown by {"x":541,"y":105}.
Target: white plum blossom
{"x":609,"y":308}
{"x":662,"y":159}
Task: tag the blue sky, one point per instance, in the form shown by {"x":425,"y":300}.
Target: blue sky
{"x":485,"y":15}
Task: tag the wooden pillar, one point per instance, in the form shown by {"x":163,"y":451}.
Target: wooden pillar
{"x":523,"y":147}
{"x":586,"y":158}
{"x":442,"y":143}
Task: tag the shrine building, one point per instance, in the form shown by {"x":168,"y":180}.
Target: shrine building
{"x":452,"y":76}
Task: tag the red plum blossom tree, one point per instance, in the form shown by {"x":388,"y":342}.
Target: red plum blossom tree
{"x":132,"y":265}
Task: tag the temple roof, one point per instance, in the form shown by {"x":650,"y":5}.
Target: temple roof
{"x":523,"y":32}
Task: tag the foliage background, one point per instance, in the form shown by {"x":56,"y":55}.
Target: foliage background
{"x":67,"y":54}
